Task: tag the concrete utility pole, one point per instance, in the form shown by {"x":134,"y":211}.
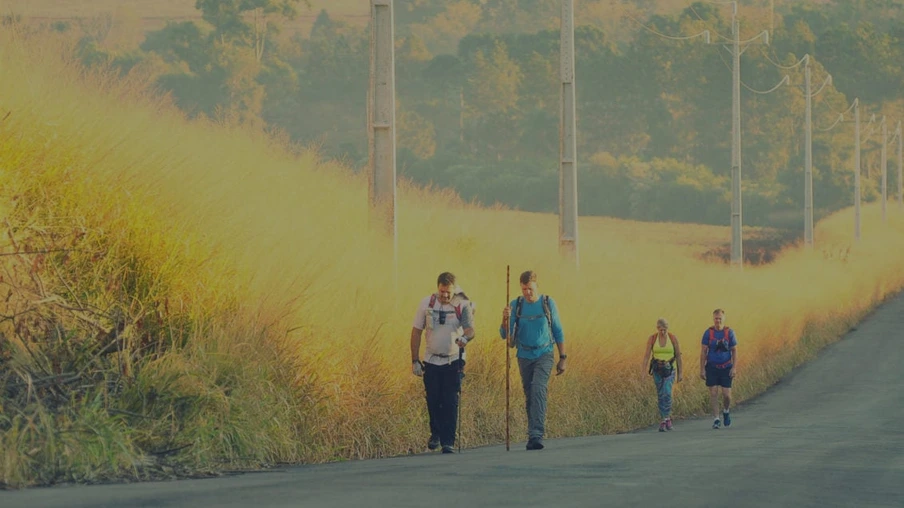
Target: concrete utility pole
{"x":900,"y":165}
{"x":568,"y":181}
{"x":808,"y":150}
{"x":772,"y":16}
{"x":382,"y":191}
{"x":857,"y":168}
{"x":737,"y":256}
{"x":884,"y":163}
{"x":808,"y":159}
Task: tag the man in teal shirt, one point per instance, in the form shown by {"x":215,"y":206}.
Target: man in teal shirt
{"x":534,"y":328}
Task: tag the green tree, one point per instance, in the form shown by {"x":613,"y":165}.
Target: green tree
{"x":246,"y":22}
{"x":218,"y":68}
{"x":491,"y":102}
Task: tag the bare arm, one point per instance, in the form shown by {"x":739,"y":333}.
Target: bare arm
{"x":734,"y":360}
{"x":416,"y":344}
{"x":560,"y":366}
{"x":467,"y":322}
{"x":703,"y":350}
{"x":646,"y":356}
{"x":677,"y":354}
{"x":506,"y":328}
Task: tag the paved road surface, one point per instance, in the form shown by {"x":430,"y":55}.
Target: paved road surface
{"x":830,"y":434}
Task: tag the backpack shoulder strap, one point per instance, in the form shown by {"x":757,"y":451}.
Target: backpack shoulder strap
{"x":712,"y":334}
{"x":458,"y":312}
{"x":518,"y":302}
{"x":432,"y":301}
{"x":547,"y":312}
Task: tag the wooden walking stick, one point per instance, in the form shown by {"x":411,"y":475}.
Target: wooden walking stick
{"x":507,"y":360}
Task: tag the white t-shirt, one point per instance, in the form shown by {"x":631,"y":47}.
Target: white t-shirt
{"x":441,"y":348}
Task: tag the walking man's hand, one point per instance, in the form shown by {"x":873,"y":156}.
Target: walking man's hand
{"x":560,"y":367}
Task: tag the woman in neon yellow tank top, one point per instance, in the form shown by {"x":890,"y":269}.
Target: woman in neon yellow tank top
{"x":665,"y":367}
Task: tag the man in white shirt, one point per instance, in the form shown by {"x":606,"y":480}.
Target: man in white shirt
{"x":447,"y":318}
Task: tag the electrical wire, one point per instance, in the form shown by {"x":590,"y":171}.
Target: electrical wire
{"x":825,"y":83}
{"x":840,"y":116}
{"x":837,"y":121}
{"x":664,"y":36}
{"x":776,"y":87}
{"x":717,"y":34}
{"x":785,"y":67}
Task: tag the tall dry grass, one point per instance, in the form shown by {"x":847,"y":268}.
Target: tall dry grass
{"x":281,"y":321}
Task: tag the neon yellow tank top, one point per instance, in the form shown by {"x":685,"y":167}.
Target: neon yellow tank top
{"x":666,"y":352}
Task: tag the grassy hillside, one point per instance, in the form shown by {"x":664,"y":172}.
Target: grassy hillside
{"x":183,"y":298}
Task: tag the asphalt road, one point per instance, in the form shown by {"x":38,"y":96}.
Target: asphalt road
{"x":829,"y":434}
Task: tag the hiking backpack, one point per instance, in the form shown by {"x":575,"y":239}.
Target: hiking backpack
{"x":545,"y":300}
{"x":458,"y":311}
{"x":726,"y":339}
{"x":658,"y":366}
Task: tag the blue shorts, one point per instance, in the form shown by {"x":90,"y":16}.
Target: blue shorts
{"x":718,"y":377}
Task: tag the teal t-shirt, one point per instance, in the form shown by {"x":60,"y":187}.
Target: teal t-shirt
{"x":535,"y":336}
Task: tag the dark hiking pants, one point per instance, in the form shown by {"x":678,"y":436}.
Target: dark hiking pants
{"x":441,"y":382}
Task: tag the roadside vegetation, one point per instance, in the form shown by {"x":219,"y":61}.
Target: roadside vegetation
{"x":186,"y":297}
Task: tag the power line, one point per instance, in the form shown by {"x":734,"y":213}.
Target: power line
{"x":837,"y":121}
{"x":776,"y":87}
{"x":826,"y":82}
{"x":707,"y":26}
{"x":785,"y":67}
{"x":840,"y":116}
{"x":704,"y":33}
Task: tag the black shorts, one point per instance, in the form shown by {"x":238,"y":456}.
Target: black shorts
{"x":718,"y":377}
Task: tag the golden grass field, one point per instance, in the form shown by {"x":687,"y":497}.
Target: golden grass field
{"x":287,"y":321}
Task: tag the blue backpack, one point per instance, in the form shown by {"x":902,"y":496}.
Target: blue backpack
{"x":545,"y":300}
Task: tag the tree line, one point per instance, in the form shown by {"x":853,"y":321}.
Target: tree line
{"x":477,"y":95}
